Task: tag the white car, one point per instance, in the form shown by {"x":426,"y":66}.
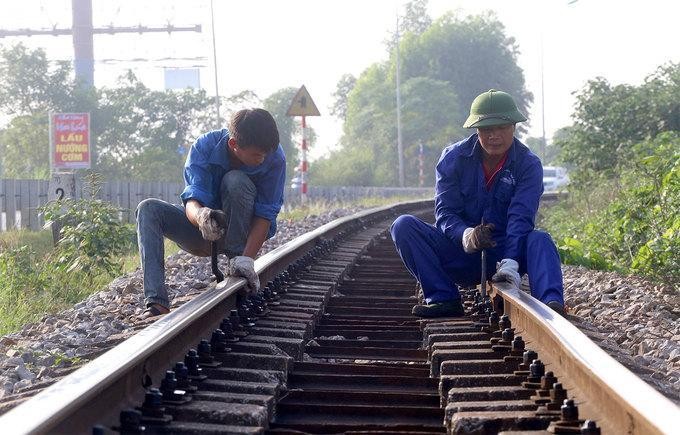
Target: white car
{"x":554,"y":178}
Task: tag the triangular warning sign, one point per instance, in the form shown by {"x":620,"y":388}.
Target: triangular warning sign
{"x":302,"y":104}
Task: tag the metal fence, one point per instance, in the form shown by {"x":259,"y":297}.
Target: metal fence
{"x":20,"y":200}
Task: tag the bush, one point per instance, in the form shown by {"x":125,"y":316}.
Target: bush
{"x":631,"y":223}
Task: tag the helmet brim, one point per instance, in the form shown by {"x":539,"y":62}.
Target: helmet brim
{"x":477,"y":121}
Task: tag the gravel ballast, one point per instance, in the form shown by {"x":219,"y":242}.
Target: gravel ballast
{"x":634,"y":320}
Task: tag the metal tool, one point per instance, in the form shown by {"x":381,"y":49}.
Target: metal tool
{"x":483,"y":282}
{"x":215,"y":268}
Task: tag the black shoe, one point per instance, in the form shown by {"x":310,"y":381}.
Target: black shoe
{"x":452,"y":308}
{"x":557,"y":307}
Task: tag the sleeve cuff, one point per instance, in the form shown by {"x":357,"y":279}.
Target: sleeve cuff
{"x":467,"y":243}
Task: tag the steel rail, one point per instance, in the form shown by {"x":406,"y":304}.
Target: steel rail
{"x":622,"y":402}
{"x":85,"y":397}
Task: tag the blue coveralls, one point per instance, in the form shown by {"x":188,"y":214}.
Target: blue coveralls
{"x":434,"y":253}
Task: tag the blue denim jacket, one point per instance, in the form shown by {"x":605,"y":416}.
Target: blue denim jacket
{"x":461,"y":199}
{"x":208,"y":161}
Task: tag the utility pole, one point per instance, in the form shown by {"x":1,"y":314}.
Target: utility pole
{"x":400,"y":147}
{"x":83,"y":41}
{"x":217,"y":90}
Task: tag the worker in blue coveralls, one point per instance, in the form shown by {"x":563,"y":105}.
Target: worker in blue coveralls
{"x":487,"y":193}
{"x":234,"y":180}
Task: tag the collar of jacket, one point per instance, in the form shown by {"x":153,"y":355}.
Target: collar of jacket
{"x":219,"y":154}
{"x":476,"y":148}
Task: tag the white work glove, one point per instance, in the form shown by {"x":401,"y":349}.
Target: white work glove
{"x":507,"y":271}
{"x":211,"y":223}
{"x":245,"y":267}
{"x":478,"y":238}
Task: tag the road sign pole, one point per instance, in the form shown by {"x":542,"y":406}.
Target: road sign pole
{"x":303,"y":169}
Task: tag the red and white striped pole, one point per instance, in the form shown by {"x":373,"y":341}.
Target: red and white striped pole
{"x":303,"y":163}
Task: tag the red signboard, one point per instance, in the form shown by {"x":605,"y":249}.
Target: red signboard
{"x":70,"y":134}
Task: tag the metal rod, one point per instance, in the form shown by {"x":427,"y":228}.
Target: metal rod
{"x":483,"y":281}
{"x":213,"y":262}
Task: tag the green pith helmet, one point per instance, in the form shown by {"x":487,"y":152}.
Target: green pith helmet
{"x":493,"y":108}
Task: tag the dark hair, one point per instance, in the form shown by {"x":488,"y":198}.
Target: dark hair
{"x":254,"y":128}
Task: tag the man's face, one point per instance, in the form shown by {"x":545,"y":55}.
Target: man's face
{"x":251,"y":156}
{"x":496,"y":140}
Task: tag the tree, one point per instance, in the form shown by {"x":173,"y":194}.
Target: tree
{"x":445,"y":65}
{"x":341,"y":94}
{"x":29,"y":90}
{"x":416,"y":20}
{"x":145,"y":134}
{"x":24,"y":147}
{"x":472,"y":54}
{"x":608,"y":120}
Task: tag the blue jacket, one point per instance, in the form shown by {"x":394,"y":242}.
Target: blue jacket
{"x":208,"y":161}
{"x":461,"y":199}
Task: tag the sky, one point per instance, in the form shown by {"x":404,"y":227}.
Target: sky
{"x":266,"y":45}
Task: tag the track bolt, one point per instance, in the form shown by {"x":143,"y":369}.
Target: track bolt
{"x":169,"y":388}
{"x":182,"y":375}
{"x":218,"y":342}
{"x":191,"y":361}
{"x":131,"y":422}
{"x":569,"y":411}
{"x":504,"y":322}
{"x":547,"y":381}
{"x":153,"y":404}
{"x":493,"y":321}
{"x":557,"y":396}
{"x":590,"y":428}
{"x":507,"y":336}
{"x":518,"y":346}
{"x":226,"y":327}
{"x":205,"y":353}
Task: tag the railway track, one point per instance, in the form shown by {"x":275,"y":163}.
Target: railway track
{"x":330,"y":346}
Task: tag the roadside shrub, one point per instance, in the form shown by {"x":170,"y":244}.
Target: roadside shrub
{"x":630,"y":223}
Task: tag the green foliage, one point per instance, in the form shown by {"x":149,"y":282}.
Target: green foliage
{"x":444,"y":65}
{"x":92,"y":238}
{"x":289,"y":128}
{"x":341,"y":95}
{"x":24,"y":147}
{"x":631,"y":223}
{"x":22,"y":283}
{"x":609,"y":119}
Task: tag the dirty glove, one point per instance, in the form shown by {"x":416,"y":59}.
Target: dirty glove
{"x":245,"y":267}
{"x":507,"y":271}
{"x":478,"y":238}
{"x":212,"y":223}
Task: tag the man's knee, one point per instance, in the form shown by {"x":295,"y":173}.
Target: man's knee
{"x":403,"y":226}
{"x":148,"y":207}
{"x":238,"y":183}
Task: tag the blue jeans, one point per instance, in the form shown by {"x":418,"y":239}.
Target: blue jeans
{"x":440,"y":265}
{"x":157,"y":219}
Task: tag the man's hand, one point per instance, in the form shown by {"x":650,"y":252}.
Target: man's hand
{"x":478,"y":238}
{"x":212,"y":223}
{"x":245,"y":267}
{"x":508,"y":271}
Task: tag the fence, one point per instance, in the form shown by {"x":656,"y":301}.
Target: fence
{"x":21,"y":199}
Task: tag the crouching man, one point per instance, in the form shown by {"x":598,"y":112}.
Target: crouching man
{"x":488,"y":188}
{"x":234,"y":191}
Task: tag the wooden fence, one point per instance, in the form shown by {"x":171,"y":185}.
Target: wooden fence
{"x":21,"y":199}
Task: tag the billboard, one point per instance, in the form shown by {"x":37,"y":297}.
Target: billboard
{"x":182,"y":78}
{"x":69,"y":141}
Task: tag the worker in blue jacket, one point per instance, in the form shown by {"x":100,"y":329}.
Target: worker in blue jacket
{"x":488,"y":188}
{"x":234,"y":180}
